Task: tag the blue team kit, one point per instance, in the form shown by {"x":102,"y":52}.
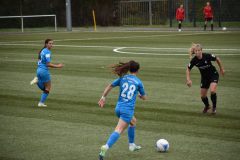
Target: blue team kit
{"x":42,"y":71}
{"x":130,"y":86}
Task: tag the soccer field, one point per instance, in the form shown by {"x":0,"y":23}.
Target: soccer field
{"x":73,"y":127}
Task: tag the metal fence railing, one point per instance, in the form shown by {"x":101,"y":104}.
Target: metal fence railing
{"x":117,"y":12}
{"x":150,"y":12}
{"x":143,"y":12}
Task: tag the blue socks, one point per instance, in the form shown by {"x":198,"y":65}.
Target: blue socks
{"x":44,"y":97}
{"x":113,"y":139}
{"x":131,"y":134}
{"x":115,"y":136}
{"x":44,"y":94}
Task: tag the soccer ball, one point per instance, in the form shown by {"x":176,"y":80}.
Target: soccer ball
{"x":162,"y":145}
{"x":224,"y":28}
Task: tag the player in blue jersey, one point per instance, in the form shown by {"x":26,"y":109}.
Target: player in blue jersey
{"x":130,"y":87}
{"x":43,"y":79}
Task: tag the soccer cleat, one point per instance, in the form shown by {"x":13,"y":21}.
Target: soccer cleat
{"x":100,"y":157}
{"x":214,"y":110}
{"x":41,"y":104}
{"x":103,"y":152}
{"x":134,"y":147}
{"x":34,"y":81}
{"x":205,"y":109}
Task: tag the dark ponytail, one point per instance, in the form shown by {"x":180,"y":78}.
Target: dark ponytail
{"x":121,"y":68}
{"x":45,"y":45}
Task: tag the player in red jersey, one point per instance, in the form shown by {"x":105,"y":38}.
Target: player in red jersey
{"x":180,"y":17}
{"x":208,"y":15}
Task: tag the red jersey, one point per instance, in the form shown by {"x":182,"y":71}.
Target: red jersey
{"x":208,"y":12}
{"x":180,"y":14}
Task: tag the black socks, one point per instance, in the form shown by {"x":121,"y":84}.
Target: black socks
{"x":214,"y":99}
{"x":179,"y":26}
{"x":205,"y":101}
{"x":205,"y":27}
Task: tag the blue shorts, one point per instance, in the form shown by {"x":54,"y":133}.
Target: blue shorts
{"x":43,"y":75}
{"x":125,"y":115}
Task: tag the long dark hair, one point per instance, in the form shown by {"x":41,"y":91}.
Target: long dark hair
{"x":121,"y":68}
{"x":45,"y":45}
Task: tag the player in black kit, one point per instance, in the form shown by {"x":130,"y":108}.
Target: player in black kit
{"x":209,"y":75}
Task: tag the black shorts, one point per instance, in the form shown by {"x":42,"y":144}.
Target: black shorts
{"x":206,"y":81}
{"x":208,"y":19}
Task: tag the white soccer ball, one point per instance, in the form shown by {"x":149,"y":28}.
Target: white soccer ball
{"x":224,"y":28}
{"x":162,"y":145}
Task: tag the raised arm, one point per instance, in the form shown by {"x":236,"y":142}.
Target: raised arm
{"x":222,"y":71}
{"x":102,"y":100}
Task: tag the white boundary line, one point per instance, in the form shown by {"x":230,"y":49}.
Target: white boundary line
{"x":123,"y":37}
{"x":183,"y":49}
{"x":119,"y":49}
{"x":58,"y":45}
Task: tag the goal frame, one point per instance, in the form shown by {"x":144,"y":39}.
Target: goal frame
{"x":32,"y":16}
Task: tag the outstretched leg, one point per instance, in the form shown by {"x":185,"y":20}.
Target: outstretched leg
{"x":121,"y":126}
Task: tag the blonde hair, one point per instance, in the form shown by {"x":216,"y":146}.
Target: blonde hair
{"x":192,"y":48}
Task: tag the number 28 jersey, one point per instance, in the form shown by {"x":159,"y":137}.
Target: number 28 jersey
{"x":130,"y":86}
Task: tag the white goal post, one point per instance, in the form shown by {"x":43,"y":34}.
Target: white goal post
{"x":32,"y":16}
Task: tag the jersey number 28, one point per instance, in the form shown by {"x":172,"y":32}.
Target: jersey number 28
{"x":128,"y":91}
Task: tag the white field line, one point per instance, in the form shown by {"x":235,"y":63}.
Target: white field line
{"x":123,"y":37}
{"x":16,"y":60}
{"x":212,"y":49}
{"x":70,"y":46}
{"x":119,"y":49}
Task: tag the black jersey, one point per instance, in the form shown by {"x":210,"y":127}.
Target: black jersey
{"x":204,"y":65}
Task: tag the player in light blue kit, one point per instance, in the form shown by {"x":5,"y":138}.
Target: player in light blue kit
{"x":130,"y":87}
{"x":43,"y":79}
